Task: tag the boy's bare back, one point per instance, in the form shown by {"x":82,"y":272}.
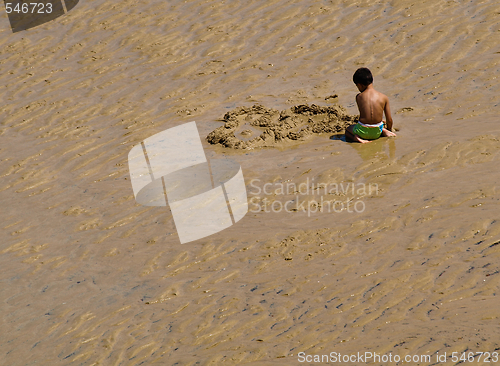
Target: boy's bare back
{"x":372,"y":105}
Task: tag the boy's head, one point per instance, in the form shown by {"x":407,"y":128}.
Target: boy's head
{"x":363,"y":76}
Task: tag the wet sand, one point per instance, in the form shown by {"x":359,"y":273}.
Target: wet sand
{"x":89,"y":277}
{"x":256,"y":127}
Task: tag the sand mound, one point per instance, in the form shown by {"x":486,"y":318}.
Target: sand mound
{"x":258,"y":126}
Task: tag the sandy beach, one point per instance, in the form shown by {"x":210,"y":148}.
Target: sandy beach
{"x":408,"y":268}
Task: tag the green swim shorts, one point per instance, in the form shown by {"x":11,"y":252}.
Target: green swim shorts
{"x":368,"y":133}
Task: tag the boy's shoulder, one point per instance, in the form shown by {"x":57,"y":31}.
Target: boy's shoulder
{"x":381,"y":96}
{"x":371,"y":91}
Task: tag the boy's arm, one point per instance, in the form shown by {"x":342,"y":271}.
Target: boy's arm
{"x":388,"y":117}
{"x":359,"y":107}
{"x":357,"y":101}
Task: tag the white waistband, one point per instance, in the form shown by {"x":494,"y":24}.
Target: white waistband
{"x":377,"y":125}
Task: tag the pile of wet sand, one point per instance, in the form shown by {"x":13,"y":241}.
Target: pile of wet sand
{"x":258,"y":126}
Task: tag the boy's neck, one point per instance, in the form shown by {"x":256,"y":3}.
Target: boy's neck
{"x":363,"y":88}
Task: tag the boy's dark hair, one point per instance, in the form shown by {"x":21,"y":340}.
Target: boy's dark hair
{"x":363,"y":76}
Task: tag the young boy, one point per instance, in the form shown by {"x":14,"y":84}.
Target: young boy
{"x":372,"y":105}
